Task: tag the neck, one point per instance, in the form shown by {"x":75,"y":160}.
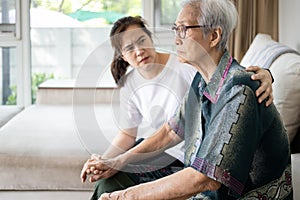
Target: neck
{"x":208,"y":65}
{"x":151,"y":70}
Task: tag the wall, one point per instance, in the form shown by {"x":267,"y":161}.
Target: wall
{"x":289,"y":28}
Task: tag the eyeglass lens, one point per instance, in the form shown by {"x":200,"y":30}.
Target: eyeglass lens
{"x":180,"y":31}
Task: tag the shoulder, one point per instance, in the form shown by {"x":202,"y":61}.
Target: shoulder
{"x":130,"y":76}
{"x":129,"y":80}
{"x":239,"y":76}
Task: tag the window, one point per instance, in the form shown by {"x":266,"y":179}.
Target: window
{"x":65,"y":33}
{"x":58,"y":47}
{"x":161,"y":15}
{"x":14,"y":53}
{"x":166,"y":12}
{"x":8,"y":18}
{"x":8,"y":75}
{"x":7,"y":54}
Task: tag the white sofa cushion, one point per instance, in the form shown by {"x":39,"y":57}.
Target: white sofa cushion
{"x":8,"y":112}
{"x":286,"y":87}
{"x":44,"y":147}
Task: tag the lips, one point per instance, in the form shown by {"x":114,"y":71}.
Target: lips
{"x":144,"y":59}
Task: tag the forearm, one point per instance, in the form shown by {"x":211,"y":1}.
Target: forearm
{"x":191,"y":182}
{"x":163,"y":139}
{"x":121,"y":143}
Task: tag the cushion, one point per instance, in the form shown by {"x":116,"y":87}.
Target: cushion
{"x":45,"y":146}
{"x":286,"y":88}
{"x":8,"y":112}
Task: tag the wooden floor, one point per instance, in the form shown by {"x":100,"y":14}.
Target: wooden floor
{"x":45,"y":195}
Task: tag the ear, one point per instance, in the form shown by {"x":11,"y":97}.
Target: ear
{"x":215,"y":37}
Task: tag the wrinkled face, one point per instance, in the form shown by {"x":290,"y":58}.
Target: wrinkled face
{"x":137,"y":47}
{"x":194,"y":46}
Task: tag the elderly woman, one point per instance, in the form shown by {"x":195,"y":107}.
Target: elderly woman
{"x":235,"y":148}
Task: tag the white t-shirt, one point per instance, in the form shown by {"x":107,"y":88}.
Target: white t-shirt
{"x":147,"y":104}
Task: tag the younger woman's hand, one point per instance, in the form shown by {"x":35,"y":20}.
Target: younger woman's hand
{"x":264,"y":92}
{"x":98,"y":168}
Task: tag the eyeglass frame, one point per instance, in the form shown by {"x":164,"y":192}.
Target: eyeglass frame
{"x":138,"y":44}
{"x":185,"y":28}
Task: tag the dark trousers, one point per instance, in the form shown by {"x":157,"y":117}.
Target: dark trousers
{"x":148,"y":170}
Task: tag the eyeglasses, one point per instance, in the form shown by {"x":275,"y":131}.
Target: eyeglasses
{"x":180,"y":30}
{"x":142,"y":42}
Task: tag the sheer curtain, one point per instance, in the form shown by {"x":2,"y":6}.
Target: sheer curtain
{"x":255,"y":16}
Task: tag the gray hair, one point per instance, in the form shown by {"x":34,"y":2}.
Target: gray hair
{"x":214,"y":14}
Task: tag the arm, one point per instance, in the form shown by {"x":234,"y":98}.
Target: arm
{"x":163,"y":139}
{"x":266,"y":79}
{"x":191,"y":182}
{"x":121,"y":143}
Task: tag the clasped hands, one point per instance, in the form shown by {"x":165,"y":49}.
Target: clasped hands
{"x":97,"y":168}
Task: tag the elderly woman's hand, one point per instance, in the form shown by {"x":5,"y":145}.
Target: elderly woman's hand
{"x":265,"y":90}
{"x":117,"y":195}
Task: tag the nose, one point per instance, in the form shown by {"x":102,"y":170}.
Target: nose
{"x":177,"y":40}
{"x":139,"y":51}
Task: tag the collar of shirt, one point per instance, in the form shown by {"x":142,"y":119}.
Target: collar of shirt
{"x":213,"y":88}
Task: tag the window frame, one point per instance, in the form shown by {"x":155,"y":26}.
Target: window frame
{"x":157,"y":17}
{"x":148,"y":11}
{"x":21,"y":41}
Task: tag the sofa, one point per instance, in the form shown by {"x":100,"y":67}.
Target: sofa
{"x":43,"y":147}
{"x":284,"y":64}
{"x":7,"y":112}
